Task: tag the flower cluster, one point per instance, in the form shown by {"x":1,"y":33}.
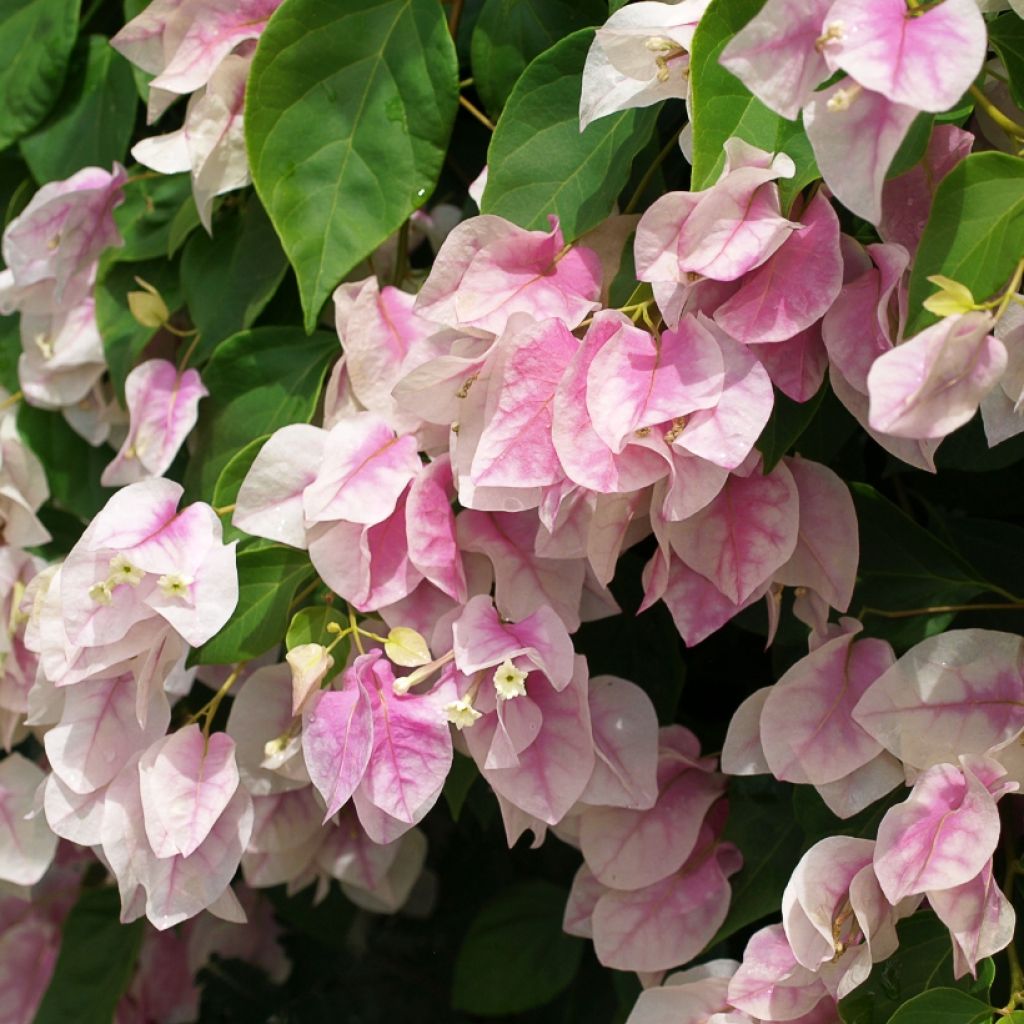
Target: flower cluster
{"x":265,"y":664}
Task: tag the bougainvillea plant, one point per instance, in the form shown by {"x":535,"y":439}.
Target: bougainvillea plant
{"x":512,"y":509}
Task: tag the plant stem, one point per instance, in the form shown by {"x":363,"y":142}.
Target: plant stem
{"x":938,"y":609}
{"x":225,"y":510}
{"x":183,"y":362}
{"x":11,"y":400}
{"x":672,"y":143}
{"x":454,"y":17}
{"x":477,"y":113}
{"x":354,"y":627}
{"x":1007,"y":124}
{"x":1011,"y":290}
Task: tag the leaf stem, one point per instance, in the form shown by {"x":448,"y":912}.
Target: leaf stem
{"x":938,"y":609}
{"x":1008,"y":125}
{"x":11,"y":400}
{"x":354,"y":627}
{"x":189,"y":352}
{"x":1011,"y":290}
{"x":304,"y":593}
{"x":477,"y":113}
{"x":224,"y":510}
{"x":672,"y":143}
{"x":455,"y":16}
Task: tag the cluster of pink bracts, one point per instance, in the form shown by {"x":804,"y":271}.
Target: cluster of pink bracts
{"x":564,"y":433}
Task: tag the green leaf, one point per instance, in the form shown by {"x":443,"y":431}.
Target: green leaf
{"x":541,"y":163}
{"x":904,"y":566}
{"x":183,"y":223}
{"x":95,"y":964}
{"x":943,"y":1006}
{"x":510,"y":33}
{"x":1006,"y":36}
{"x":723,"y":107}
{"x":515,"y":955}
{"x":229,"y":278}
{"x":258,"y":380}
{"x":923,"y":963}
{"x":788,"y":421}
{"x":974,"y":232}
{"x":73,"y":467}
{"x":124,"y":338}
{"x":36,"y":38}
{"x":268,"y":578}
{"x":458,"y":783}
{"x":309,"y":626}
{"x":225,"y":490}
{"x":10,"y":352}
{"x":762,"y":825}
{"x":148,"y":214}
{"x":348,"y":112}
{"x":93,"y":119}
{"x":913,"y":147}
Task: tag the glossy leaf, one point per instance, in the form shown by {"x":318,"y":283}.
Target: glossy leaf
{"x":229,"y":278}
{"x":96,"y":961}
{"x":723,"y":107}
{"x":923,"y":962}
{"x":148,"y":212}
{"x":358,"y":100}
{"x":73,"y":467}
{"x":541,"y":163}
{"x":258,"y":380}
{"x":267,"y":581}
{"x":510,"y":33}
{"x":515,"y":956}
{"x":124,"y":338}
{"x":1006,"y":34}
{"x":789,"y":421}
{"x":974,"y":231}
{"x":94,"y":117}
{"x":36,"y":37}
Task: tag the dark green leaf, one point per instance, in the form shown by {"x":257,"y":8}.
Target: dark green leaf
{"x":148,"y":213}
{"x":923,"y":963}
{"x":974,"y":232}
{"x":229,"y":278}
{"x":73,"y":466}
{"x":348,"y":112}
{"x":123,"y":336}
{"x":36,"y":38}
{"x":258,"y":380}
{"x":1006,"y":35}
{"x":225,"y":490}
{"x":541,"y":163}
{"x":10,"y":351}
{"x":95,"y":964}
{"x":309,"y":626}
{"x":903,"y":566}
{"x":515,"y":955}
{"x":94,"y":117}
{"x":723,"y":107}
{"x":788,"y":421}
{"x":183,"y":223}
{"x":457,"y":785}
{"x":913,"y":147}
{"x":267,"y":580}
{"x":762,"y":825}
{"x":510,"y":33}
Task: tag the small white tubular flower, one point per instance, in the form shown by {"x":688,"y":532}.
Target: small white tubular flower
{"x":461,"y":713}
{"x":509,"y":681}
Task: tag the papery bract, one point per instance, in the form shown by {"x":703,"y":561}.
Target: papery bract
{"x":940,"y":837}
{"x":935,"y":381}
{"x":925,"y":59}
{"x":163,"y":406}
{"x":961,"y":692}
